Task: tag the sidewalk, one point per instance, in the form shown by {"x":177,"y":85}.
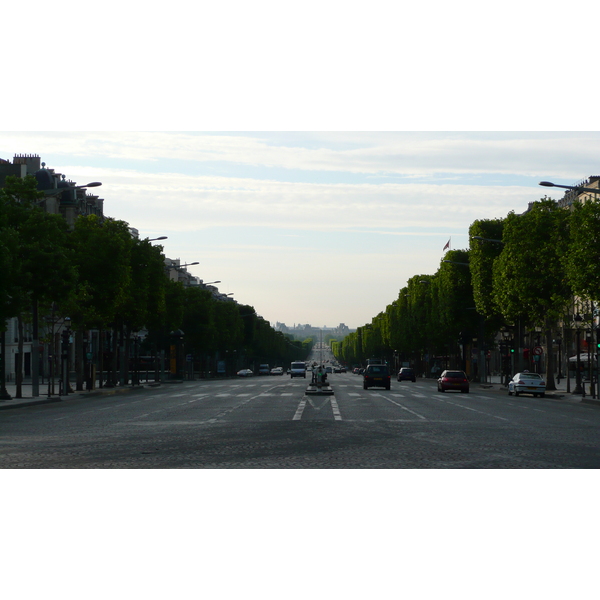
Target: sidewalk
{"x":29,"y":400}
{"x":494,"y":385}
{"x":44,"y":398}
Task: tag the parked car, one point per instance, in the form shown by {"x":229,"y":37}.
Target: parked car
{"x":245,"y":373}
{"x":528,"y":383}
{"x":451,"y":379}
{"x":377,"y":376}
{"x":406,"y":374}
{"x":277,"y":371}
{"x":263,"y":369}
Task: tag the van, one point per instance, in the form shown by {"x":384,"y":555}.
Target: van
{"x":298,"y":369}
{"x":264,"y":370}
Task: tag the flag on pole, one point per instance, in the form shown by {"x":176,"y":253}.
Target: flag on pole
{"x":447,"y":244}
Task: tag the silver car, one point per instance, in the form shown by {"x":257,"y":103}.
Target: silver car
{"x":527,"y":383}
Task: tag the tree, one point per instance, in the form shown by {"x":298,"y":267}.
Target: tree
{"x":453,"y":302}
{"x":583,"y":255}
{"x":41,"y":262}
{"x":529,"y":278}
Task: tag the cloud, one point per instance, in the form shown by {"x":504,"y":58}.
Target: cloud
{"x":564,"y":155}
{"x":187,"y":202}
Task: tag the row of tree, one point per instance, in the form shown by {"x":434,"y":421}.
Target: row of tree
{"x":102,"y":278}
{"x":524,"y":271}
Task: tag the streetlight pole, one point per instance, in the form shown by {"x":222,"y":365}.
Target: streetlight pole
{"x":577,"y":319}
{"x":578,"y":188}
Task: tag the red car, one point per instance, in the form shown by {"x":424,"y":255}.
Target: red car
{"x":453,"y":380}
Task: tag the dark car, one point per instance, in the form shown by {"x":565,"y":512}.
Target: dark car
{"x":406,"y":374}
{"x":377,"y":376}
{"x":451,"y":379}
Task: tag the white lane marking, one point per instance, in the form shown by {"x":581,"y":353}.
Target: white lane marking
{"x":336,"y":409}
{"x":406,"y":409}
{"x":539,"y":410}
{"x":61,"y":418}
{"x":398,"y":395}
{"x":353,"y":394}
{"x":477,"y":411}
{"x":199,"y":395}
{"x":286,"y":394}
{"x":300,"y":410}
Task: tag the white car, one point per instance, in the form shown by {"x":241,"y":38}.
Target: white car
{"x":527,"y":383}
{"x":277,"y":371}
{"x":245,"y":373}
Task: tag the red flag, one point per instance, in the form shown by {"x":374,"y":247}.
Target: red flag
{"x":447,"y":245}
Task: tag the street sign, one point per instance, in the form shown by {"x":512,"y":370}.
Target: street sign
{"x":538,"y":351}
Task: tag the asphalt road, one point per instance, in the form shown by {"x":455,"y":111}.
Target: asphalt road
{"x":269,"y":422}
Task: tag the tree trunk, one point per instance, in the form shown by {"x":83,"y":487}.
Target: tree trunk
{"x":79,"y":361}
{"x":550,"y":385}
{"x":19,"y":361}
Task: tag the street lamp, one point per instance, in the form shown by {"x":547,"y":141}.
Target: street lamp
{"x":577,"y":320}
{"x":162,"y":237}
{"x":182,"y":266}
{"x":482,"y":239}
{"x":209,"y":283}
{"x":453,"y":262}
{"x":560,"y":376}
{"x":570,"y":187}
{"x":57,"y":191}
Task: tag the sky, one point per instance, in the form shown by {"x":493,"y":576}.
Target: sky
{"x":312,"y":227}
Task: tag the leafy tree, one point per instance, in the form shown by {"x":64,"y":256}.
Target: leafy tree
{"x":529,"y":279}
{"x":103,"y":260}
{"x":583,"y":255}
{"x":454,"y":305}
{"x":36,"y":244}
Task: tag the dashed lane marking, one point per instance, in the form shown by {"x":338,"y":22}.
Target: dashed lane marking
{"x":336,"y":409}
{"x":472,"y":409}
{"x":412,"y":412}
{"x":298,"y":415}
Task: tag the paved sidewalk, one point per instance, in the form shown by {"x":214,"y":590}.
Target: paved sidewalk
{"x":29,"y":400}
{"x":560,"y":393}
{"x":44,"y":398}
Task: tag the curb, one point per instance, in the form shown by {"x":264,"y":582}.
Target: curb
{"x":22,"y":403}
